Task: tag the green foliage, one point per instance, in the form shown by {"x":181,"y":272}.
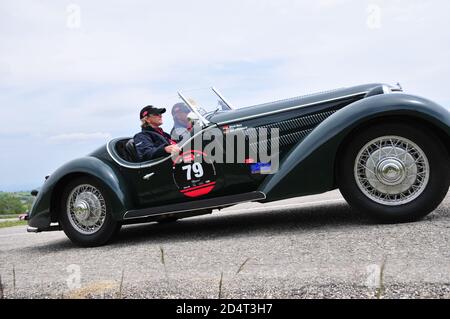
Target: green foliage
{"x":12,"y":223}
{"x":15,"y":203}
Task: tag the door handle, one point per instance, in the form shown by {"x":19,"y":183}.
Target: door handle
{"x":147,"y":177}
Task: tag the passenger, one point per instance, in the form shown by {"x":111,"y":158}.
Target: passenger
{"x":181,"y":124}
{"x":153,"y":142}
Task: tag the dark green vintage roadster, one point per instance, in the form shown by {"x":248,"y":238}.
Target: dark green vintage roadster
{"x":388,"y":152}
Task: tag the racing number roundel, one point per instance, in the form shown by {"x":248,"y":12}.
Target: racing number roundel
{"x":194,"y":174}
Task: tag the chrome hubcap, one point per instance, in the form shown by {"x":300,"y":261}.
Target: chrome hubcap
{"x":392,"y":170}
{"x":86,"y":209}
{"x":81,"y":210}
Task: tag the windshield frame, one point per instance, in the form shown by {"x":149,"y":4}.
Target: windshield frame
{"x":230,"y":106}
{"x":202,"y":118}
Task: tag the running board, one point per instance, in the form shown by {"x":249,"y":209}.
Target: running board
{"x":195,"y":205}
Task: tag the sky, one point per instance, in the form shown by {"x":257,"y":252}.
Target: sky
{"x":74,"y":74}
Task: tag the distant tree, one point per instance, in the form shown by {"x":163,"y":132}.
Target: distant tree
{"x":10,"y":204}
{"x":28,"y":201}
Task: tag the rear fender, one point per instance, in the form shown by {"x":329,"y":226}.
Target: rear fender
{"x":44,"y":207}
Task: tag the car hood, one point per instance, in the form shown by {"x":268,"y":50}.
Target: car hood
{"x":261,"y":109}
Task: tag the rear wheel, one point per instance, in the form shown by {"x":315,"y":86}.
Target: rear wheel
{"x":86,"y":213}
{"x":394,"y":172}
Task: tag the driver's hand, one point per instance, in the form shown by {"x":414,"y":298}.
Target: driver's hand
{"x":172,"y":149}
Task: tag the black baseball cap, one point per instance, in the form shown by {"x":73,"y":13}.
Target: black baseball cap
{"x":151,"y":110}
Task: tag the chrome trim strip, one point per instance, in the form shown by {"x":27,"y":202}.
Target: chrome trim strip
{"x":187,"y":210}
{"x":292,"y":108}
{"x":147,"y":177}
{"x":138,"y":165}
{"x":108,"y":149}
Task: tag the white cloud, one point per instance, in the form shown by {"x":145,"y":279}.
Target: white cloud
{"x":79,"y":137}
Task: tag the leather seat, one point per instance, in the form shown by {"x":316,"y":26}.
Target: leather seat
{"x":130,"y":150}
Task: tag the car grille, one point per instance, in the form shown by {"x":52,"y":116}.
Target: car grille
{"x":294,"y":130}
{"x":300,"y":122}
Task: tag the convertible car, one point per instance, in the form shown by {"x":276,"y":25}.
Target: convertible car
{"x":386,"y":151}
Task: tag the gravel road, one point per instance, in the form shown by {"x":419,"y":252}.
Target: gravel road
{"x":310,"y":247}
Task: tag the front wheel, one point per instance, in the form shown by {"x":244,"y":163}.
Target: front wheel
{"x":394,"y":172}
{"x":86,"y":213}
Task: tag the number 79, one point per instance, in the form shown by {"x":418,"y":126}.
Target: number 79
{"x":196,"y":168}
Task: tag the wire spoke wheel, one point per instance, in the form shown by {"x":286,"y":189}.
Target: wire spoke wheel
{"x":392,"y":170}
{"x":86,"y":209}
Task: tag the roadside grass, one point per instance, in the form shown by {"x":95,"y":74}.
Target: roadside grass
{"x":220,"y":285}
{"x":2,"y":296}
{"x":379,"y":293}
{"x":13,"y":223}
{"x":163,"y":261}
{"x":121,"y":286}
{"x":220,"y":296}
{"x":7,"y":216}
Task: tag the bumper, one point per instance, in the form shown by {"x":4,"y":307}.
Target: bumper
{"x":31,"y":229}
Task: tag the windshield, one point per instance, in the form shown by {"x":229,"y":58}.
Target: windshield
{"x":205,"y":101}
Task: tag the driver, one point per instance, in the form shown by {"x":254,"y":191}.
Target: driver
{"x":181,"y":122}
{"x":153,"y":142}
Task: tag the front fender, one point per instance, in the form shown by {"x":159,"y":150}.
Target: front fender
{"x":41,"y":212}
{"x":309,"y":168}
